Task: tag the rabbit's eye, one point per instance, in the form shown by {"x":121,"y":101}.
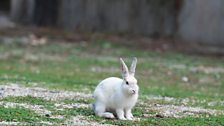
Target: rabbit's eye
{"x":127,"y":83}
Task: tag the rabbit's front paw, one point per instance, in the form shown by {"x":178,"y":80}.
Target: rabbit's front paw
{"x":122,"y":118}
{"x":120,"y":114}
{"x":129,"y":116}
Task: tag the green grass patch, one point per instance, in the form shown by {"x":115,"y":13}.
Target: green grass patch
{"x":77,"y":100}
{"x":186,"y":121}
{"x":69,"y":112}
{"x":20,"y":114}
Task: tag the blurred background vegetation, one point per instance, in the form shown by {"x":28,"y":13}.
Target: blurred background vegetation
{"x":183,"y":24}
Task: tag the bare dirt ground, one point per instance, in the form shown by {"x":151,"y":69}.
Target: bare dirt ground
{"x":162,"y":110}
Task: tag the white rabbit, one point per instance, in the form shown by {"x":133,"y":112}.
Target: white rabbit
{"x":117,"y":96}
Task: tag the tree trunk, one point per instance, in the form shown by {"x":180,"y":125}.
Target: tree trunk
{"x":46,"y":12}
{"x":202,"y":21}
{"x":147,"y":17}
{"x":22,"y":10}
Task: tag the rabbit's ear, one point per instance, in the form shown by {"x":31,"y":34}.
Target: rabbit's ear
{"x":124,"y":69}
{"x":133,"y":66}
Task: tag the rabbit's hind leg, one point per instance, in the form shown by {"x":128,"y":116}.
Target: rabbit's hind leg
{"x":100,"y":110}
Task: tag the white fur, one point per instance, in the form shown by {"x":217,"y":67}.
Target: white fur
{"x":114,"y":96}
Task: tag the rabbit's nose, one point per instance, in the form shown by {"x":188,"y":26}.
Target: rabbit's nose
{"x":133,"y":91}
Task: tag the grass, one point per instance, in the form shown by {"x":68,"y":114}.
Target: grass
{"x":187,"y":121}
{"x":20,"y":114}
{"x":80,"y":67}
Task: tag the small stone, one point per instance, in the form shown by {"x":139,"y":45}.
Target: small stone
{"x":137,"y":119}
{"x":156,"y":105}
{"x":185,"y":79}
{"x":159,"y":116}
{"x":47,"y":115}
{"x":145,"y":115}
